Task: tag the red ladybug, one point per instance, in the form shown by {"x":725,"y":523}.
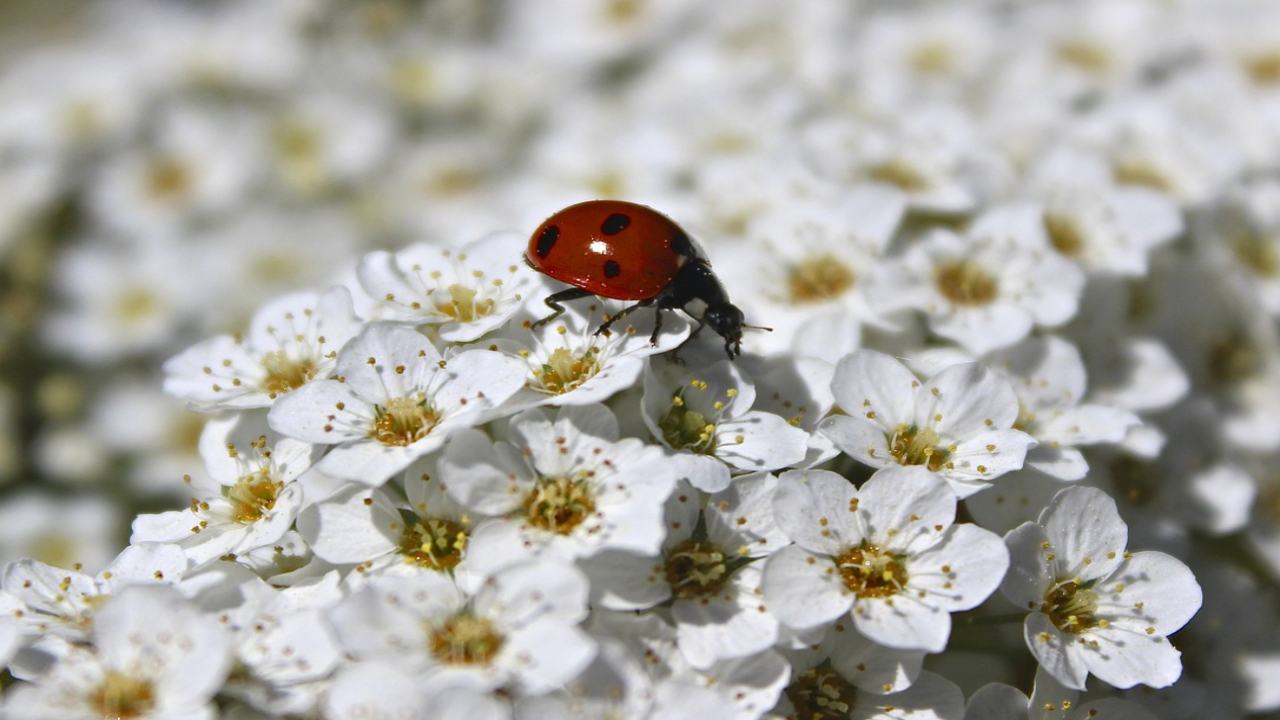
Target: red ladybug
{"x":625,"y":251}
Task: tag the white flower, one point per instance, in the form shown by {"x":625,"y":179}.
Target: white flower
{"x":62,"y":603}
{"x":1105,"y":227}
{"x":569,"y":364}
{"x":1096,"y":608}
{"x":325,"y":140}
{"x":808,"y":266}
{"x":79,"y":533}
{"x":1049,"y":698}
{"x":566,"y":486}
{"x":958,"y":423}
{"x":396,"y":400}
{"x":823,"y":692}
{"x":121,"y":301}
{"x":740,"y":689}
{"x":887,"y":552}
{"x":848,"y":658}
{"x":465,"y":292}
{"x":250,"y":500}
{"x":798,"y":389}
{"x":987,"y":289}
{"x":382,"y":534}
{"x":519,"y":629}
{"x":705,"y":416}
{"x":1049,"y":377}
{"x":154,"y":656}
{"x":708,"y":567}
{"x":386,"y":689}
{"x":198,"y":166}
{"x":283,"y":643}
{"x":292,"y":340}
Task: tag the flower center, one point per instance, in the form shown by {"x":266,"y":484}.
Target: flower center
{"x":434,"y":543}
{"x":136,"y":305}
{"x":565,"y":370}
{"x":899,"y":173}
{"x":1070,"y":605}
{"x":1233,"y":360}
{"x":252,"y":497}
{"x":465,"y":639}
{"x":167,"y":179}
{"x":462,"y":305}
{"x":295,"y":141}
{"x":403,"y":421}
{"x":821,"y":694}
{"x":285,"y":373}
{"x":622,"y":12}
{"x":934,"y":57}
{"x":686,"y":429}
{"x":696,"y":569}
{"x":53,"y":548}
{"x":559,"y":504}
{"x":120,"y":697}
{"x":911,"y":445}
{"x":1083,"y":55}
{"x":1136,"y":482}
{"x":1065,"y":234}
{"x":1256,"y":252}
{"x":818,"y":278}
{"x":1263,"y":67}
{"x":1137,"y":171}
{"x":871,"y":572}
{"x":965,"y":283}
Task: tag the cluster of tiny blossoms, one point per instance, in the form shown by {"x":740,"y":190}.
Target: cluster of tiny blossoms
{"x":1015,"y":426}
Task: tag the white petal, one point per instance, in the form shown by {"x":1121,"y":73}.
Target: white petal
{"x":818,"y":509}
{"x":372,"y":463}
{"x":323,"y":412}
{"x":386,"y":361}
{"x":703,"y":472}
{"x":622,"y":581}
{"x":485,"y":477}
{"x":931,"y":697}
{"x":871,"y":667}
{"x":354,"y":525}
{"x":861,"y":439}
{"x":902,"y":621}
{"x":547,"y":653}
{"x":965,"y":400}
{"x":1086,"y":533}
{"x":1030,"y":573}
{"x":802,"y":589}
{"x":1123,"y":658}
{"x":1057,"y":652}
{"x":1066,"y":464}
{"x":997,"y":701}
{"x":903,"y":507}
{"x":1165,"y":587}
{"x":869,"y":381}
{"x":539,"y":589}
{"x":760,"y":441}
{"x":734,"y":623}
{"x":961,"y":571}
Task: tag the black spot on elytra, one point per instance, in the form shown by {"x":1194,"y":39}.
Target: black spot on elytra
{"x":615,"y":224}
{"x":611,"y":268}
{"x":681,"y":244}
{"x":547,"y":240}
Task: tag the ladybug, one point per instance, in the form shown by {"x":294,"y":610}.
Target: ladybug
{"x":625,"y":251}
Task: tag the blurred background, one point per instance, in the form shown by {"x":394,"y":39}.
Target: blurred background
{"x":166,"y":167}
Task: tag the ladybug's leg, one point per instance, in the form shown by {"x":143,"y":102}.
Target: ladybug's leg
{"x":553,"y":301}
{"x":657,"y":326}
{"x":604,"y":327}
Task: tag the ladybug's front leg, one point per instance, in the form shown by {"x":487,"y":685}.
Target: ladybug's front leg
{"x":621,"y":314}
{"x":553,"y":301}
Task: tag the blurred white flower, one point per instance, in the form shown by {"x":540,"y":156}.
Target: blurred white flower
{"x":997,"y":701}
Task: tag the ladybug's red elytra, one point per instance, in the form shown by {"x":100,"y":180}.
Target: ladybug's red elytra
{"x":625,"y":251}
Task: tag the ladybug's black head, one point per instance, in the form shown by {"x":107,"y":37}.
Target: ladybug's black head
{"x":726,"y":319}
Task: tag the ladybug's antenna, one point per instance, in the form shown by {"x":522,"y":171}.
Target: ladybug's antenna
{"x":757,"y":327}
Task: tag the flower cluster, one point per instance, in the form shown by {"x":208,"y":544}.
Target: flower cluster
{"x":1013,"y":428}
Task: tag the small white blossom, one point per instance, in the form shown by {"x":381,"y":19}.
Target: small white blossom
{"x":997,"y":701}
{"x":154,"y":656}
{"x":958,"y":423}
{"x":1096,"y":608}
{"x":292,"y":341}
{"x":705,"y":417}
{"x":250,"y":500}
{"x":565,"y":486}
{"x":465,"y":292}
{"x":395,"y":400}
{"x":886,"y":552}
